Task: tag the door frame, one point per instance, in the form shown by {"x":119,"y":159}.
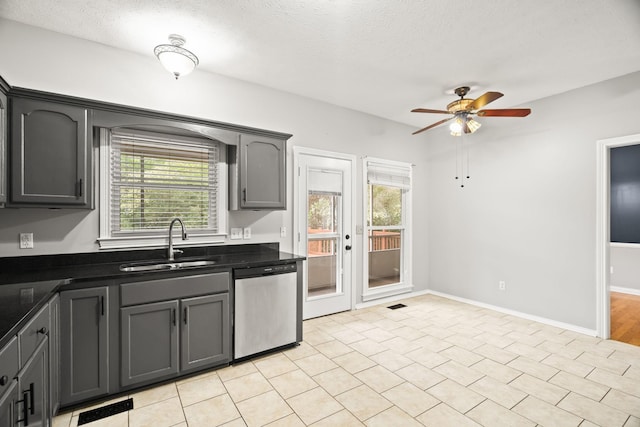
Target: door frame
{"x":297,"y":226}
{"x":603,"y":221}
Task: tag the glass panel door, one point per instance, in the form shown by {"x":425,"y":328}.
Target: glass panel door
{"x":324,"y":218}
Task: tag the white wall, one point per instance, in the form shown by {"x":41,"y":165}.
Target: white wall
{"x":527,"y":216}
{"x":43,"y":60}
{"x":625,"y":262}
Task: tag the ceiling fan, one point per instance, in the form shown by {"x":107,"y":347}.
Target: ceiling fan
{"x":463,"y":109}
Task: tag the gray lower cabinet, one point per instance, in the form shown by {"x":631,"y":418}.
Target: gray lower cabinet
{"x":50,"y":154}
{"x":205,"y":331}
{"x":54,"y":355}
{"x":9,"y":404}
{"x":3,"y":143}
{"x":9,"y":367}
{"x":149,"y":341}
{"x":163,"y":339}
{"x":84,"y":319}
{"x":33,"y":389}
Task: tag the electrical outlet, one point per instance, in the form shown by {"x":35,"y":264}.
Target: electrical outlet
{"x":283,"y":231}
{"x":236,"y":233}
{"x":26,"y":240}
{"x":247,"y":232}
{"x":502,"y":285}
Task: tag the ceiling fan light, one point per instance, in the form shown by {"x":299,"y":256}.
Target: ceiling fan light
{"x":456,"y":126}
{"x":176,"y":59}
{"x":473,"y":125}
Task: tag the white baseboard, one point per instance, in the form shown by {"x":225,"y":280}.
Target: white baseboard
{"x":390,"y":299}
{"x":543,"y":320}
{"x":629,"y":291}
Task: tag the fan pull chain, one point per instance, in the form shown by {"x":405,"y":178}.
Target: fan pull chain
{"x":457,"y":162}
{"x":468,"y":173}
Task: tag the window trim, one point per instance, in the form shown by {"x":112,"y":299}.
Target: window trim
{"x":406,"y":285}
{"x":159,"y":238}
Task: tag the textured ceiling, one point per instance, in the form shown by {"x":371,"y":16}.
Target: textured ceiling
{"x":382,"y":57}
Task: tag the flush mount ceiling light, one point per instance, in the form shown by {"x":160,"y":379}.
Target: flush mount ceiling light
{"x":176,"y":59}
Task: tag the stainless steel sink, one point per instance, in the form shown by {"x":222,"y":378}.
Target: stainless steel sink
{"x":165,"y":265}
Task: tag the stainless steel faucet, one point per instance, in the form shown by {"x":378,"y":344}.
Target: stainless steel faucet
{"x":184,"y":237}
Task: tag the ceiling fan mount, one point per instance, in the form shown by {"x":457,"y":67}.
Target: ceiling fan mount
{"x":463,"y":109}
{"x":462,"y":91}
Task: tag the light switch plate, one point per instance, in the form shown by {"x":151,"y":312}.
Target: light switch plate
{"x":247,"y":232}
{"x":236,"y":233}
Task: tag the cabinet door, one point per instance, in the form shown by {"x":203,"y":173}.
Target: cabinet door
{"x":149,"y":342}
{"x":84,"y":344}
{"x":54,"y":355}
{"x":33,"y":389}
{"x":262,"y":173}
{"x":3,"y":148}
{"x":50,"y":154}
{"x":9,"y":407}
{"x":205,"y":331}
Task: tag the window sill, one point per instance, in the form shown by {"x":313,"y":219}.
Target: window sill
{"x":132,"y":242}
{"x":386,"y":291}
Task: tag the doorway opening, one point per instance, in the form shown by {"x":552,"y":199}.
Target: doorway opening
{"x":603,"y":236}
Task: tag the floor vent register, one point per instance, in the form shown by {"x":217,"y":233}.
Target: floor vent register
{"x":396,"y":306}
{"x":105,"y":411}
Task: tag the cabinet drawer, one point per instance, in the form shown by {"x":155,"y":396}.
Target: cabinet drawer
{"x":33,"y":333}
{"x":173,"y":288}
{"x":8,"y":364}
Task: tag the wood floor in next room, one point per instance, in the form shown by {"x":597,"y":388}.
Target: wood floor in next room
{"x":435,"y":362}
{"x":625,"y":318}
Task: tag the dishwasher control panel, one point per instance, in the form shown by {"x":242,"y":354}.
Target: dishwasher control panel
{"x":264,"y":271}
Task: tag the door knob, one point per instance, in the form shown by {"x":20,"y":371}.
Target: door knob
{"x":348,"y":247}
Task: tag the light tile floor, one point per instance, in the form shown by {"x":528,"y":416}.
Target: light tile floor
{"x":436,"y":362}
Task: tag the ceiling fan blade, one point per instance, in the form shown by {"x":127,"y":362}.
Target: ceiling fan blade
{"x":432,"y":126}
{"x":507,"y":112}
{"x":428,"y":110}
{"x":484,"y":99}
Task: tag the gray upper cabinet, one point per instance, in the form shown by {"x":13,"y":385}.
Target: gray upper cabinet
{"x":84,"y":342}
{"x":50,"y":159}
{"x":257,"y":170}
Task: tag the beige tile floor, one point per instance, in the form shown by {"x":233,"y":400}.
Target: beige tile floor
{"x":435,"y":362}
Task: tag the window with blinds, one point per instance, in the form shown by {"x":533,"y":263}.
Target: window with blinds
{"x":155,"y":178}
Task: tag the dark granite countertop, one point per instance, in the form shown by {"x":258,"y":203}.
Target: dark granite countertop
{"x":26,"y":283}
{"x":19,"y":302}
{"x":88,"y":266}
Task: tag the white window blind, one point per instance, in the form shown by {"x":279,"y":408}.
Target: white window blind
{"x":155,"y":178}
{"x":389,"y":174}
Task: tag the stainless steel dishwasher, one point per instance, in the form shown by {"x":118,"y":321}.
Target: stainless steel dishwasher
{"x":265,"y":311}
